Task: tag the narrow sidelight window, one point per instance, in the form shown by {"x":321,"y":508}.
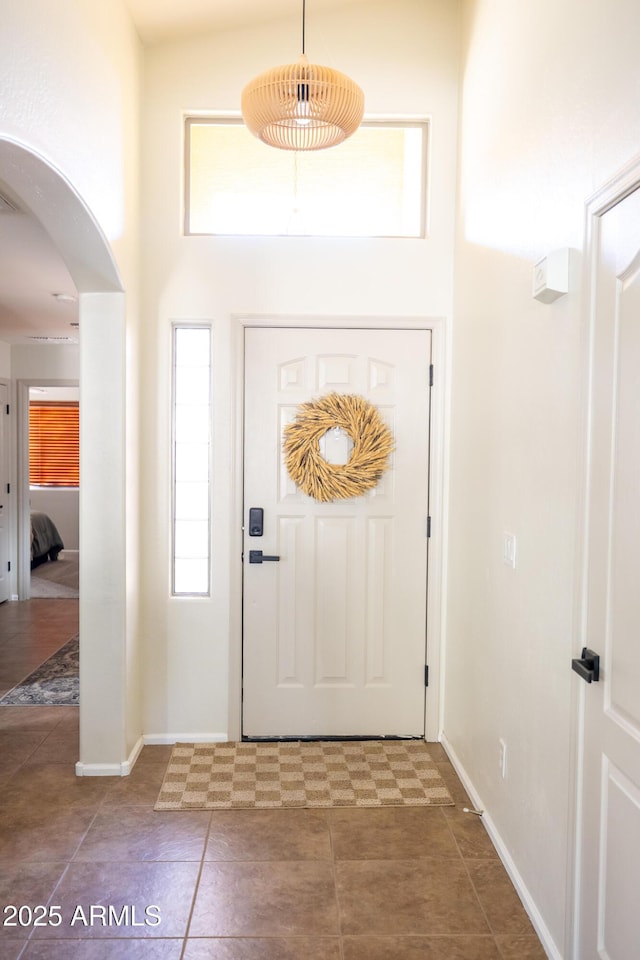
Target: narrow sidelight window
{"x":191,"y":460}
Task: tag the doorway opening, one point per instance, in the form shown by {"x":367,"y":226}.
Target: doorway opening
{"x":49,"y":197}
{"x":54,"y":489}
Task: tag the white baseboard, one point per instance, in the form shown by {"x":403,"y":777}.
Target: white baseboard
{"x":527,"y":900}
{"x":155,"y":739}
{"x":164,"y":739}
{"x":129,"y":764}
{"x":101,"y":769}
{"x":111,"y":769}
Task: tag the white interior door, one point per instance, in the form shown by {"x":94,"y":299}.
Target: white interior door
{"x":610,"y":846}
{"x":4,"y":495}
{"x":335,"y":630}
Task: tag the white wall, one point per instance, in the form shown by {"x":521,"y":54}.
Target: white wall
{"x":68,"y":78}
{"x":62,"y":505}
{"x":41,"y":361}
{"x":405,"y":55}
{"x":550,"y":111}
{"x":5,"y":359}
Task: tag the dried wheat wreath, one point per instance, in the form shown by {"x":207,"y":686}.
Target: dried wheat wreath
{"x":372,"y":445}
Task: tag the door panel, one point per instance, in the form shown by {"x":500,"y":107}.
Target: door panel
{"x":609,"y":921}
{"x":334,"y":632}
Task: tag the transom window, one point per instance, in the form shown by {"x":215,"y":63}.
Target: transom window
{"x":372,"y":185}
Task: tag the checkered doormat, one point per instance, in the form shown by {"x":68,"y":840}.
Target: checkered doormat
{"x":373,"y":773}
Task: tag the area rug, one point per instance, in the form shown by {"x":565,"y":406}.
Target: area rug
{"x":54,"y":683}
{"x":371,"y":773}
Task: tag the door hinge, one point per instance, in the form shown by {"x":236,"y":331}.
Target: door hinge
{"x":426,"y":675}
{"x":8,"y":409}
{"x":9,"y":565}
{"x":8,"y":488}
{"x":430,"y":374}
{"x":428,"y":527}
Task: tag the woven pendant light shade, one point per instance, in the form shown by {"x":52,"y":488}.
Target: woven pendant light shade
{"x":302,"y":106}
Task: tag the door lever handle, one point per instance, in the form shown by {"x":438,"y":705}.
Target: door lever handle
{"x":257,"y":556}
{"x":587,"y":666}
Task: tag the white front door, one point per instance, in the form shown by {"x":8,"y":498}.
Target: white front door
{"x":4,"y":493}
{"x":335,"y":630}
{"x":609,"y":880}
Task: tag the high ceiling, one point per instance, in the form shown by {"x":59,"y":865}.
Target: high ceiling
{"x":158,"y":20}
{"x":31,"y":270}
{"x":31,"y":274}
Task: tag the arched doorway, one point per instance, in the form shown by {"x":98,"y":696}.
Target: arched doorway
{"x":105,"y":742}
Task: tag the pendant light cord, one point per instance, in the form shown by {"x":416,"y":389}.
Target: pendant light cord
{"x":304,"y":5}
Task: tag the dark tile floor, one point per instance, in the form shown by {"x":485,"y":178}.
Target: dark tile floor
{"x":95,"y":874}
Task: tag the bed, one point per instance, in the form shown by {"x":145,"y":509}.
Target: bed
{"x":46,"y":542}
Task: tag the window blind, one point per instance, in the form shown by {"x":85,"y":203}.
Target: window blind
{"x":54,"y":444}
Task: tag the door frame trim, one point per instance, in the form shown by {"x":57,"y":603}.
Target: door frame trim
{"x":436,"y":557}
{"x":620,"y":186}
{"x":22,"y":476}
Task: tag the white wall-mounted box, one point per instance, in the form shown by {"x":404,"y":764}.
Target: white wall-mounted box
{"x":551,"y":276}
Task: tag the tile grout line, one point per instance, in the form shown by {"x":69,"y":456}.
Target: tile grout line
{"x":67,"y":865}
{"x":480,"y":903}
{"x":334,"y":872}
{"x":72,"y":858}
{"x":185,"y":941}
{"x":473,"y":886}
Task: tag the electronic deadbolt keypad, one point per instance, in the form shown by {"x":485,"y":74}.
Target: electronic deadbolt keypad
{"x":256,"y":521}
